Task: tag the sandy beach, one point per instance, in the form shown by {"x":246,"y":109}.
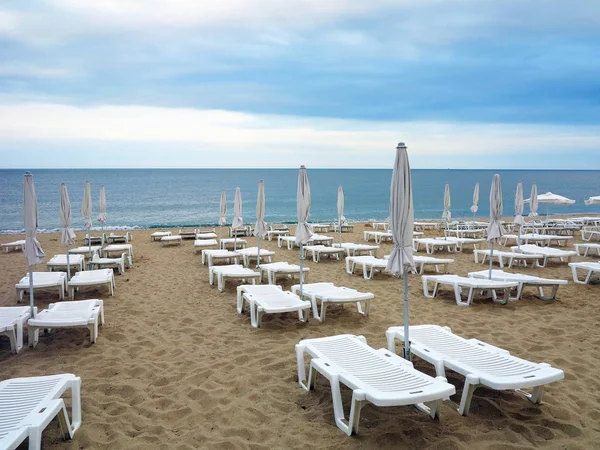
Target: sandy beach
{"x":175,"y":366}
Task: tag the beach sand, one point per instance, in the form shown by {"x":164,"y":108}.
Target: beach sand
{"x":175,"y":366}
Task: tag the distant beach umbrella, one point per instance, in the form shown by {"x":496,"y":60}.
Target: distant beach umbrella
{"x":519,"y":221}
{"x":67,"y":237}
{"x":446,"y":215}
{"x":340,"y":210}
{"x":303,"y":230}
{"x":533,"y":201}
{"x":260,"y":228}
{"x":86,"y":212}
{"x":495,"y":229}
{"x":33,"y":250}
{"x":402,"y":218}
{"x":222,"y":212}
{"x":474,"y":207}
{"x":593,"y":201}
{"x":552,"y":199}
{"x":102,"y":217}
{"x":238,"y":222}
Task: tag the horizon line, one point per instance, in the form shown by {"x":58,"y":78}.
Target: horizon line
{"x":294,"y":168}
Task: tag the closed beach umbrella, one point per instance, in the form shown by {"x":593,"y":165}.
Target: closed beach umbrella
{"x":446,"y":215}
{"x":474,"y":207}
{"x":340,"y":210}
{"x":533,"y":201}
{"x":495,"y":229}
{"x":222,"y":212}
{"x":67,"y":237}
{"x":401,"y":260}
{"x":593,"y":200}
{"x":260,"y":228}
{"x":86,"y":211}
{"x":519,"y":206}
{"x":238,"y":222}
{"x":33,"y":250}
{"x":303,"y":230}
{"x":102,"y":217}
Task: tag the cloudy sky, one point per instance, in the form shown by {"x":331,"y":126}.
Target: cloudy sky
{"x":278,"y":83}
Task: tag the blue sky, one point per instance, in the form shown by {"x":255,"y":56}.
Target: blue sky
{"x":278,"y":83}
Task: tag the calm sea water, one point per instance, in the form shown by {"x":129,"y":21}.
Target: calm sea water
{"x":156,"y":198}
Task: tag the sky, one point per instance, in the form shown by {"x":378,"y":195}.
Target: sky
{"x":279,"y":83}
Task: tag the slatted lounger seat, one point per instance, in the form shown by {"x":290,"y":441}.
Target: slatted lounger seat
{"x":157,"y":235}
{"x":97,"y":277}
{"x":474,"y":233}
{"x":461,"y":242}
{"x":588,"y":234}
{"x":348,"y":227}
{"x":289,"y":241}
{"x":524,"y":280}
{"x":253,"y":289}
{"x":369,"y":265}
{"x":547,"y":253}
{"x":230,"y":243}
{"x":74,"y":314}
{"x":211,"y":257}
{"x":377,"y":236}
{"x":421,"y":226}
{"x":12,"y":322}
{"x":28,"y":405}
{"x":471,"y":285}
{"x":206,"y":235}
{"x":481,"y":364}
{"x":232,"y":271}
{"x":170,"y":240}
{"x":507,"y":258}
{"x":318,"y":251}
{"x":433,"y":244}
{"x":328,"y":293}
{"x":187,"y":234}
{"x":591,"y":268}
{"x":110,"y":263}
{"x":380,"y":225}
{"x":320,"y":227}
{"x":320,"y":239}
{"x":200,"y":244}
{"x":85,"y":250}
{"x":14,"y":246}
{"x":95,"y":239}
{"x":58,"y":263}
{"x":43,"y":280}
{"x":423,"y":261}
{"x":587,"y":248}
{"x":357,"y":249}
{"x":251,"y":254}
{"x":281,"y":269}
{"x":276,"y":233}
{"x":273,"y":301}
{"x":376,"y":376}
{"x":538,"y":239}
{"x":119,"y":238}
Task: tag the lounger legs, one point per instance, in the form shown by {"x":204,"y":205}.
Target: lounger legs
{"x":471,"y":383}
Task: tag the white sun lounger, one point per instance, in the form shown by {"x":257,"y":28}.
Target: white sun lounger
{"x":481,"y":364}
{"x":547,"y":253}
{"x":212,"y":256}
{"x":524,"y":280}
{"x":273,"y":301}
{"x":380,"y":225}
{"x":230,"y":243}
{"x":590,"y":267}
{"x":232,"y":271}
{"x":318,"y":251}
{"x":200,"y":244}
{"x":255,"y":289}
{"x":116,"y":238}
{"x":471,"y":285}
{"x":320,"y":239}
{"x":327,"y":293}
{"x":376,"y":376}
{"x":281,"y":269}
{"x":587,"y":248}
{"x":170,"y":240}
{"x":96,"y":277}
{"x":109,"y":263}
{"x":191,"y":234}
{"x":502,"y":256}
{"x":290,"y":241}
{"x":28,"y":405}
{"x":43,"y":280}
{"x":85,"y":250}
{"x":206,"y":235}
{"x":157,"y":235}
{"x":461,"y":242}
{"x":433,"y":244}
{"x":424,"y":261}
{"x":94,"y":239}
{"x":74,"y":314}
{"x":421,"y":226}
{"x":588,"y":235}
{"x":369,"y":265}
{"x":12,"y":322}
{"x":59,"y":263}
{"x":118,"y":249}
{"x":377,"y":236}
{"x":277,"y":233}
{"x":250,"y":254}
{"x":357,"y":249}
{"x":320,"y":227}
{"x":14,"y":246}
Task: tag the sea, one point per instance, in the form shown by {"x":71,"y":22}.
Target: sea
{"x":171,"y":198}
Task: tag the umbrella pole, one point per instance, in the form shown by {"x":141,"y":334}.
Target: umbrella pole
{"x":68,"y":265}
{"x":491,"y":259}
{"x":31,"y":304}
{"x":90,"y":241}
{"x":340,"y":227}
{"x":406,"y":349}
{"x":301,"y":268}
{"x":258,"y":253}
{"x":519,"y":238}
{"x":235,"y":240}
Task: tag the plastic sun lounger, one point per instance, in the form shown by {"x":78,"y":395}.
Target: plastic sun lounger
{"x":276,"y":233}
{"x":187,"y":234}
{"x":377,"y":236}
{"x":14,"y":246}
{"x":109,"y":263}
{"x":12,"y":321}
{"x":588,"y":235}
{"x":501,"y":256}
{"x":250,"y":254}
{"x":545,"y":239}
{"x":461,"y":242}
{"x":43,"y":280}
{"x":524,"y":280}
{"x":230,"y":243}
{"x":170,"y":240}
{"x":369,"y":265}
{"x":320,"y":227}
{"x":290,"y":241}
{"x":85,"y":250}
{"x":432,"y":244}
{"x":94,"y":239}
{"x":255,"y":289}
{"x":320,"y":239}
{"x":116,"y":238}
{"x":74,"y":314}
{"x":357,"y":249}
{"x":318,"y":251}
{"x":547,"y":253}
{"x":590,"y":267}
{"x":481,"y":364}
{"x":206,"y":235}
{"x":277,"y":301}
{"x":119,"y":249}
{"x":378,"y":225}
{"x":28,"y":405}
{"x":471,"y":285}
{"x":424,"y":261}
{"x":200,"y":244}
{"x":59,"y":263}
{"x":327,"y":293}
{"x":587,"y":248}
{"x":420,"y":226}
{"x":212,"y":256}
{"x":281,"y":269}
{"x":376,"y":376}
{"x":96,"y":277}
{"x":157,"y":235}
{"x":233,"y":271}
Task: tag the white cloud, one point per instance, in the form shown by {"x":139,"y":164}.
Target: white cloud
{"x":33,"y":71}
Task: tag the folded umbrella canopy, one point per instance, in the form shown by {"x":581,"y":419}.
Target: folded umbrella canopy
{"x":474,"y":207}
{"x":260,"y":228}
{"x":238,"y":222}
{"x":446,"y":215}
{"x":33,"y":250}
{"x":533,"y":201}
{"x":67,"y":237}
{"x":303,"y":230}
{"x":102,"y":216}
{"x":495,"y":229}
{"x":402,"y":219}
{"x":519,"y":221}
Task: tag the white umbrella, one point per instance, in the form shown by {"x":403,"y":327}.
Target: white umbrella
{"x":340,"y":209}
{"x":86,"y":211}
{"x":102,"y":217}
{"x":67,"y":237}
{"x":446,"y":215}
{"x":495,"y":229}
{"x":33,"y":250}
{"x":303,"y":230}
{"x":474,"y":207}
{"x":593,"y":201}
{"x":238,"y":222}
{"x":260,"y":228}
{"x":402,"y":221}
{"x":552,"y":199}
{"x":222,"y":212}
{"x":533,"y":201}
{"x":519,"y":206}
